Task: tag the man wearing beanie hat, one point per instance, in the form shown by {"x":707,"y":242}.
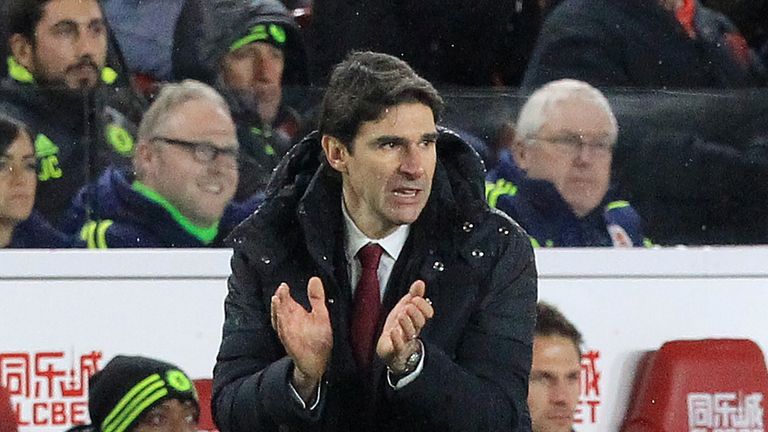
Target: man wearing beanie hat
{"x":139,"y":393}
{"x":247,"y":49}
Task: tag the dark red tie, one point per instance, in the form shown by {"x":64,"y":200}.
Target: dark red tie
{"x":367,"y":303}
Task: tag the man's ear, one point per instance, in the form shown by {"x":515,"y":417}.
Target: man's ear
{"x":144,"y":158}
{"x":520,"y":152}
{"x":22,"y":50}
{"x":335,"y":152}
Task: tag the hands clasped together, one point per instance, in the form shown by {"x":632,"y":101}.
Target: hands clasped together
{"x":308,"y":340}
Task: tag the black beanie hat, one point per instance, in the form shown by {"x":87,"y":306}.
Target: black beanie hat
{"x":129,"y":386}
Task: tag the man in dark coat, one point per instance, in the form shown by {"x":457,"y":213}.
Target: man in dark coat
{"x":433,"y":334}
{"x":61,"y":86}
{"x":249,"y":50}
{"x":642,"y":43}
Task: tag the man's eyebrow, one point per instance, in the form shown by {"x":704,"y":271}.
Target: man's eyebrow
{"x":576,"y":132}
{"x":66,"y":23}
{"x":72,"y":22}
{"x":430,"y":136}
{"x":383,"y":139}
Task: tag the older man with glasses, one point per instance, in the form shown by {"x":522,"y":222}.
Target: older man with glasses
{"x":556,"y":179}
{"x":185,"y":175}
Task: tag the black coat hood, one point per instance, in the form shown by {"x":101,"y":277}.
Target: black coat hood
{"x":460,"y":169}
{"x":206,"y":28}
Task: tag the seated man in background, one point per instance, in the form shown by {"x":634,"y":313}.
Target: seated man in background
{"x":58,"y":85}
{"x":558,"y":185}
{"x":20,"y":226}
{"x":642,"y":43}
{"x":247,"y":49}
{"x":144,"y":30}
{"x":554,"y":387}
{"x":185,"y":177}
{"x":138,"y":394}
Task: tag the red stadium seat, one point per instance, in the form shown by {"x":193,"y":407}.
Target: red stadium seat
{"x":7,"y":416}
{"x":700,"y":386}
{"x":204,"y":390}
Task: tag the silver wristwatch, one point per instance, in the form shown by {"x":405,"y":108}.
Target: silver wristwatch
{"x":412,"y":362}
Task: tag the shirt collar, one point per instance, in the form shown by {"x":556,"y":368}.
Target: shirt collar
{"x":356,"y":239}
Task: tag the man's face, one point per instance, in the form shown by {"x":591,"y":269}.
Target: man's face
{"x":70,"y":45}
{"x":387,"y":178}
{"x":553,"y":390}
{"x":18,"y":180}
{"x":172,"y":415}
{"x":256,"y":68}
{"x":573,"y":150}
{"x":174,"y":162}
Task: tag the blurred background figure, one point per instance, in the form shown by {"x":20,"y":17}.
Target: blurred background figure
{"x":249,"y":50}
{"x":141,"y":394}
{"x":555,"y":180}
{"x":554,"y":386}
{"x":750,"y":17}
{"x":184,"y":178}
{"x":448,"y":42}
{"x":5,"y":50}
{"x":144,"y":31}
{"x":642,"y":43}
{"x":20,"y":226}
{"x":63,"y":86}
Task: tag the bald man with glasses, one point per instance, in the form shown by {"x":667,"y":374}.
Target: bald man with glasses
{"x":185,"y":173}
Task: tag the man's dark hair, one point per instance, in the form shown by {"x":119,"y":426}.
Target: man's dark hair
{"x":10,"y":129}
{"x":24,"y":15}
{"x":552,"y":322}
{"x":363,"y":86}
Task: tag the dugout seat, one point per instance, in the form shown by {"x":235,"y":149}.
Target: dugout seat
{"x":701,"y":385}
{"x":204,"y":389}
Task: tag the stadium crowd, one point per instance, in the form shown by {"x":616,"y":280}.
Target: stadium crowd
{"x":646,"y":122}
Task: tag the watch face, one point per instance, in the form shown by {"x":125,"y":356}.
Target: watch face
{"x":413,"y":360}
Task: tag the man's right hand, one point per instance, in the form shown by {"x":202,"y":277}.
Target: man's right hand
{"x":306,"y":336}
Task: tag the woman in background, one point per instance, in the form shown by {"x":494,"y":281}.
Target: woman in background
{"x":20,"y":226}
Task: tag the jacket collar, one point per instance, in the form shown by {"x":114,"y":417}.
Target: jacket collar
{"x":305,"y":192}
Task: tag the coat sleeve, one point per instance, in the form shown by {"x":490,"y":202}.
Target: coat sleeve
{"x":483,"y":386}
{"x":251,"y":378}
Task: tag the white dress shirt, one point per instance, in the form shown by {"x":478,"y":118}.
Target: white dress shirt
{"x":354,"y":240}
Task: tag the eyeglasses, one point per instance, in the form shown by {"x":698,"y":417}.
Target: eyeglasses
{"x":204,"y":152}
{"x":574,"y":144}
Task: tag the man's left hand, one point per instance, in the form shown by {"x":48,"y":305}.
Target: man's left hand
{"x":403,"y":326}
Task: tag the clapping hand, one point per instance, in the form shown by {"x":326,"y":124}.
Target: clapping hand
{"x":306,"y":336}
{"x":403,"y":326}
